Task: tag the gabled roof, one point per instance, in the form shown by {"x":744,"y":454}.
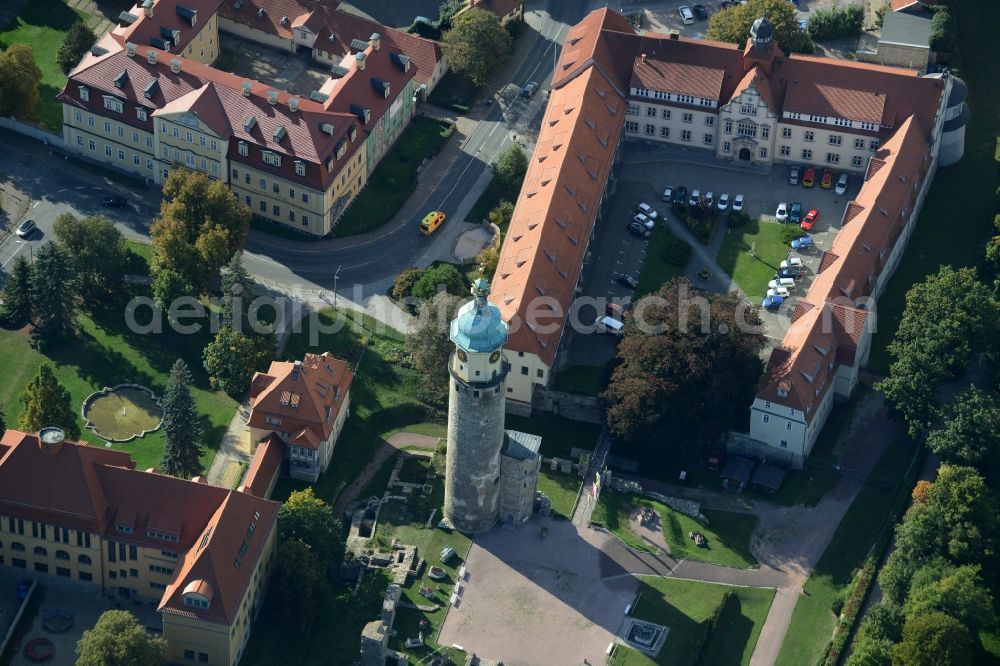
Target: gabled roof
{"x":222,"y":559}
{"x":755,"y":78}
{"x":677,"y":77}
{"x":169,"y":16}
{"x":906,"y":28}
{"x":306,"y":395}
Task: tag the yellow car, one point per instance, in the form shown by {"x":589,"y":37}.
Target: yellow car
{"x":431,"y":222}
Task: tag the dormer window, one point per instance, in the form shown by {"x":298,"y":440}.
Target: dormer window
{"x":140,"y":113}
{"x":782,"y":393}
{"x":243,"y":148}
{"x":300,"y":168}
{"x":271,"y":158}
{"x":196,"y":602}
{"x":85,"y":93}
{"x":113,"y":104}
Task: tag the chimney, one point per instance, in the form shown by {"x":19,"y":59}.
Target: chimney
{"x":674,"y":34}
{"x":293,"y":104}
{"x":175,"y":65}
{"x":375,"y":40}
{"x":246,"y":88}
{"x":643,"y":58}
{"x":50,"y":440}
{"x":360,"y":59}
{"x":130,"y":49}
{"x":147,"y":8}
{"x":151,"y":56}
{"x":272,"y":97}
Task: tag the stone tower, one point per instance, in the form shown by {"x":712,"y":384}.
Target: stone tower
{"x":475,"y":414}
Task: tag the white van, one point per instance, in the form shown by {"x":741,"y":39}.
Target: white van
{"x":611,"y":325}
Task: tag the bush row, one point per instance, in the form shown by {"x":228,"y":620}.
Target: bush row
{"x":836,"y":22}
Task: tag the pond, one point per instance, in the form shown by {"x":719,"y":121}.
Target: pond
{"x":123,"y":413}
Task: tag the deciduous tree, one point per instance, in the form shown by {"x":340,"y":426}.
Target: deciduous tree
{"x":688,"y":365}
{"x":78,"y":40}
{"x":476,"y":45}
{"x":307,"y":518}
{"x":959,"y":592}
{"x":47,"y":403}
{"x":947,"y":318}
{"x":299,"y":582}
{"x":168,"y":286}
{"x":733,"y":24}
{"x":934,"y":639}
{"x":182,"y":452}
{"x":443,"y":277}
{"x":19,"y":81}
{"x":502,"y":214}
{"x":428,"y":344}
{"x":16,"y":309}
{"x":231,"y":359}
{"x":119,"y":640}
{"x":200,"y":226}
{"x":53,"y":293}
{"x":970,"y":432}
{"x":97,"y":254}
{"x":511,"y":166}
{"x":402,"y":286}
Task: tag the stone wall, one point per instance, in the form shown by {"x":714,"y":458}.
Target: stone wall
{"x":577,"y":407}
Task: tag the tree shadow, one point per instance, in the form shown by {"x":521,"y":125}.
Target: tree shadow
{"x":50,"y":13}
{"x":732,"y":634}
{"x":96,"y":363}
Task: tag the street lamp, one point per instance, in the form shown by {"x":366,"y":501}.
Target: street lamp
{"x":336,"y":276}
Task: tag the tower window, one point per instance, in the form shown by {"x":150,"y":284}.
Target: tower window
{"x":524,"y":370}
{"x":475,"y":394}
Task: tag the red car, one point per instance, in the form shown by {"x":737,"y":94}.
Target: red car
{"x":827,"y":181}
{"x":810,"y":219}
{"x":809,"y":177}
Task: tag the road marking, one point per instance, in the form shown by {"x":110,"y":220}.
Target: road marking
{"x":20,"y":246}
{"x":35,"y":204}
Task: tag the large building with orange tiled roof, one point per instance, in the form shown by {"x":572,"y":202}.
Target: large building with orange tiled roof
{"x":750,"y":104}
{"x":201,"y":553}
{"x":147,"y":100}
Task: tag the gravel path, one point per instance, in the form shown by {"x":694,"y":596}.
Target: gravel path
{"x":395,"y":443}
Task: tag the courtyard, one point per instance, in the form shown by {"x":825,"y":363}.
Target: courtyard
{"x":297,"y":73}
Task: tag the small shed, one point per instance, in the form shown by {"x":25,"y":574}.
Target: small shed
{"x":736,"y":474}
{"x":767,"y":478}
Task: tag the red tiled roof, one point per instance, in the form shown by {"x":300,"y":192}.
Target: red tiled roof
{"x":676,"y":77}
{"x":807,"y":97}
{"x":306,"y":395}
{"x":93,"y":489}
{"x":904,"y":4}
{"x":165,"y":16}
{"x":757,"y":78}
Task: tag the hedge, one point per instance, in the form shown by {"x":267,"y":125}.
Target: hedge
{"x":836,"y":22}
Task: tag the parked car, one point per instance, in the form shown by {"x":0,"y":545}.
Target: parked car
{"x":627,"y":281}
{"x":809,"y":178}
{"x":680,"y":194}
{"x":781,"y":214}
{"x":687,"y":16}
{"x":709,"y":199}
{"x":26,"y":228}
{"x":795,"y":213}
{"x":841,"y":184}
{"x":528,"y":91}
{"x":694,"y":198}
{"x":114,"y":202}
{"x":779,"y":291}
{"x":787,"y":283}
{"x":637,"y":229}
{"x":644,"y":221}
{"x":791,"y":262}
{"x":803,"y":243}
{"x":786,"y":273}
{"x":647,"y":210}
{"x":723,"y":204}
{"x":810,"y":219}
{"x":827,"y":181}
{"x":772,"y":302}
{"x":737,"y":203}
{"x":668,"y":194}
{"x":793,"y":176}
{"x":700,"y":12}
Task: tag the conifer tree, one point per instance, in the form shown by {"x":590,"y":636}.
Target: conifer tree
{"x":47,"y":403}
{"x":16,"y":309}
{"x":237,"y":294}
{"x":181,"y":456}
{"x":53,"y":292}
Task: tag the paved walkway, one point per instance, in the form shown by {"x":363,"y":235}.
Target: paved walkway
{"x":235,"y":448}
{"x":386,"y":450}
{"x":703,"y":256}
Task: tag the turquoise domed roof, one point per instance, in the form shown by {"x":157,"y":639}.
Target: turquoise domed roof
{"x":478,"y":326}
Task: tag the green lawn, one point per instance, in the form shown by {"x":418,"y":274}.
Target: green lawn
{"x":561,"y":488}
{"x":685,"y":606}
{"x":106,"y":353}
{"x":394,"y":179}
{"x":728,"y":533}
{"x":953,"y":230}
{"x":813,"y":620}
{"x":414,"y":469}
{"x":667,"y":257}
{"x":559,"y":434}
{"x":752,"y":273}
{"x":141,"y":257}
{"x":580,"y":379}
{"x":386,"y":396}
{"x":42,"y":24}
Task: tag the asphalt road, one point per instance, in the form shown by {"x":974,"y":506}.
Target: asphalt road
{"x":55,"y":187}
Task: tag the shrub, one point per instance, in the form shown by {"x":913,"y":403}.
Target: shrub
{"x":837,"y":22}
{"x":677,"y":253}
{"x":738,"y":219}
{"x":702,"y":229}
{"x":403,"y":284}
{"x":681,"y":210}
{"x":435,"y":277}
{"x":790,"y":232}
{"x":942,"y":31}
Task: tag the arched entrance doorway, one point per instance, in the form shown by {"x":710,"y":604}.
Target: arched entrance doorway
{"x":745,"y":154}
